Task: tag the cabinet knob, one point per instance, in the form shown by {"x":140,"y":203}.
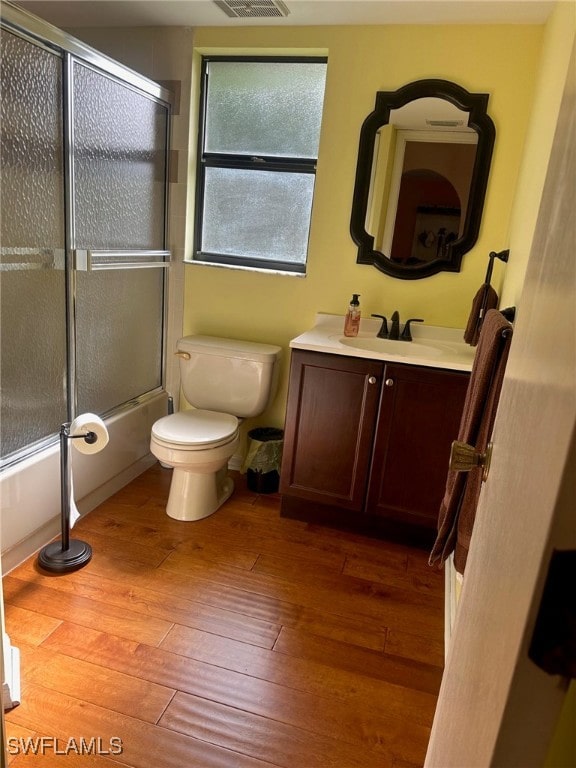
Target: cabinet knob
{"x":372,"y":379}
{"x":464,"y":457}
{"x":389,"y":382}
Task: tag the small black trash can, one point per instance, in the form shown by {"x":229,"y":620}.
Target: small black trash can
{"x":262,"y":464}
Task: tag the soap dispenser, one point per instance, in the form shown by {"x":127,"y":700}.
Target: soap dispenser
{"x":352,"y":319}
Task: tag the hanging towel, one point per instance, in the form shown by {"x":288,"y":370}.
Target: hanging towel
{"x":486,"y":298}
{"x":458,"y":508}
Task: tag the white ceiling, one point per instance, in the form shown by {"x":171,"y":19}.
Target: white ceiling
{"x":195,"y":13}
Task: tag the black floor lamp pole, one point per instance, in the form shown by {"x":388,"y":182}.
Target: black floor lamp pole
{"x":67,"y":554}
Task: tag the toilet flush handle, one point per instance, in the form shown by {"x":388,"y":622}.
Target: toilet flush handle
{"x":183,"y":355}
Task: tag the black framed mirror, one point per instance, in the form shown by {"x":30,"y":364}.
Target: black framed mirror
{"x":423,"y":165}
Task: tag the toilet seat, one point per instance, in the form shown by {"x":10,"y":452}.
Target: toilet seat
{"x":195,"y":430}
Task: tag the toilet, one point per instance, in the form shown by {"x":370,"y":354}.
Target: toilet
{"x":225,"y":380}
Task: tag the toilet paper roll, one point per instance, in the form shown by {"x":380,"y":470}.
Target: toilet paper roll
{"x":89,"y":422}
{"x":86,"y":422}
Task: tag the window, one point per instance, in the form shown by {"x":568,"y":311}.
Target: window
{"x":259,"y":134}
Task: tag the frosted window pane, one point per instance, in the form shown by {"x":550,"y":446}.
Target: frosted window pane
{"x":32,"y":300}
{"x":257,"y":214}
{"x":119,"y":164}
{"x":264,"y":108}
{"x":119,"y":327}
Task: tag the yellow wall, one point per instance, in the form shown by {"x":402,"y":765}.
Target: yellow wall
{"x":556,"y":48}
{"x":562,"y":752}
{"x":500,"y":60}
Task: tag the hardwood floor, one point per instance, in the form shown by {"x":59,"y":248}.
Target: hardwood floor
{"x":244,"y":639}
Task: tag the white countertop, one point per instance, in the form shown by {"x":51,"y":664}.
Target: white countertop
{"x":432,"y":346}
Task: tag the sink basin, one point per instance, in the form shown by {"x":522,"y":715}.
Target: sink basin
{"x":388,"y":346}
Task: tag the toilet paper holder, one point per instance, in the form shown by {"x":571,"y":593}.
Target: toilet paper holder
{"x":67,"y":554}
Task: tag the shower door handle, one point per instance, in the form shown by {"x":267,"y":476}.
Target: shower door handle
{"x":97,"y":260}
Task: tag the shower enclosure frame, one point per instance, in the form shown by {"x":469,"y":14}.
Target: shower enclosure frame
{"x":71,"y":50}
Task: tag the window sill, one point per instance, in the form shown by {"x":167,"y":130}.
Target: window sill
{"x":261,"y":270}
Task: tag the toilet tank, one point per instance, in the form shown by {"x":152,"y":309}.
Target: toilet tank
{"x":228,"y":375}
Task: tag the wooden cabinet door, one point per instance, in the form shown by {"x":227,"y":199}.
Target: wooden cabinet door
{"x":330,"y":421}
{"x":419,"y":418}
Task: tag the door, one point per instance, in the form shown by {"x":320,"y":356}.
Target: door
{"x":496,"y":707}
{"x":82,"y":257}
{"x":118,"y":189}
{"x":32,"y":249}
{"x":330,"y":421}
{"x":420,"y":413}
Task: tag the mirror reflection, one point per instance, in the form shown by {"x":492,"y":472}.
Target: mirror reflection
{"x":420,"y":192}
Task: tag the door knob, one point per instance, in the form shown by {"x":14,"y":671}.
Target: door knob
{"x":389,"y":382}
{"x":464,"y":457}
{"x":372,"y":379}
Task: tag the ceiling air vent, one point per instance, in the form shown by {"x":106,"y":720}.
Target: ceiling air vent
{"x":253,"y":9}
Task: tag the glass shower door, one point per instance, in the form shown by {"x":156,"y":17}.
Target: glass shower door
{"x":84,"y":164}
{"x":32,"y":274}
{"x":119,"y":142}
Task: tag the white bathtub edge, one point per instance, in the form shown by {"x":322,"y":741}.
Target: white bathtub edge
{"x":24,"y":549}
{"x":30,"y":491}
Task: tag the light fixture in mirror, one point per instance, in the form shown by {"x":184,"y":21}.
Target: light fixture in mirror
{"x":423,"y":164}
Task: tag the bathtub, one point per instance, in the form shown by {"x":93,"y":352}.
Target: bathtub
{"x":30,"y":490}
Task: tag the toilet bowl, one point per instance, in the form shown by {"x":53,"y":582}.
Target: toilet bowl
{"x":224,"y":380}
{"x":198,"y":445}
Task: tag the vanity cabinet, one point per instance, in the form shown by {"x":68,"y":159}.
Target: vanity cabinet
{"x":366,"y":443}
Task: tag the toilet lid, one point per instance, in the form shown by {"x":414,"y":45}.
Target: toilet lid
{"x":196,"y":428}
